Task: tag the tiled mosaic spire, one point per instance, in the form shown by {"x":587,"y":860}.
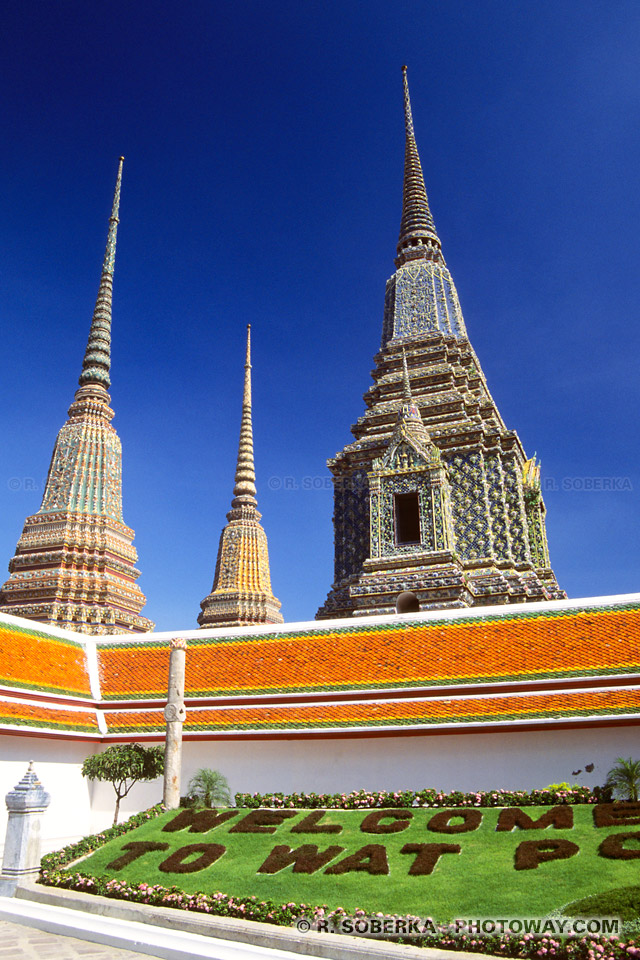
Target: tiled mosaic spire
{"x":421,"y":297}
{"x":408,"y":409}
{"x":75,"y":561}
{"x":245,"y":487}
{"x":417,"y":229}
{"x":97,"y":357}
{"x":406,"y":383}
{"x":435,"y":496}
{"x":241,"y":594}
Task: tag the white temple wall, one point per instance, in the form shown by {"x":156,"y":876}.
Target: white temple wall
{"x":514,"y":760}
{"x":485,"y":761}
{"x":57,"y":763}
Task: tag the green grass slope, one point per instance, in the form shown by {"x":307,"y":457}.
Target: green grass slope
{"x":481,"y":880}
{"x":623,"y":902}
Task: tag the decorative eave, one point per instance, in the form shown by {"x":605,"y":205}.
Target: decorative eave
{"x":587,"y":675}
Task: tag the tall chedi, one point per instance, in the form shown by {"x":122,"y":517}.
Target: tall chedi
{"x":74,"y":563}
{"x":435,"y":497}
{"x":241,"y":593}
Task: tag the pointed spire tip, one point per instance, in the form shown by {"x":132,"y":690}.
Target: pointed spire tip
{"x":244,"y":491}
{"x":418,"y":239}
{"x":97,"y":357}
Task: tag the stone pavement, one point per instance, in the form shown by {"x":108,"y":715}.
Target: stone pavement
{"x":18,"y":942}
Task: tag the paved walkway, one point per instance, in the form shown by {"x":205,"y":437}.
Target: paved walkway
{"x":26,"y":943}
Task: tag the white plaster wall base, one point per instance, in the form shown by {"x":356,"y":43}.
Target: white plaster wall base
{"x":518,"y":760}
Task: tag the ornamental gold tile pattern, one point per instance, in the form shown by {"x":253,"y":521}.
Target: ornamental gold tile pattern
{"x":74,"y":564}
{"x":498,"y":552}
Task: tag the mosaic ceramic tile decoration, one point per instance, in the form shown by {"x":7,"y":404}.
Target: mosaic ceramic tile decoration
{"x":74,"y":565}
{"x":241,"y":592}
{"x":482,"y":518}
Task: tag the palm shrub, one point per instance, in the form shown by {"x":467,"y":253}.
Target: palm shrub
{"x":210,"y":788}
{"x":624,"y":779}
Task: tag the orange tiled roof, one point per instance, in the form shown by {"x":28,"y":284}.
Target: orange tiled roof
{"x":520,"y":646}
{"x":32,"y":659}
{"x":515,"y":644}
{"x":423,"y":712}
{"x":14,"y":713}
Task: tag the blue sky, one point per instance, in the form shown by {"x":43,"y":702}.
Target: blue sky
{"x":262,"y":183}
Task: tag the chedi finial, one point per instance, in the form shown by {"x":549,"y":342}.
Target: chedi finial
{"x":97,"y":358}
{"x":418,"y":238}
{"x":409,"y":410}
{"x":244,"y":491}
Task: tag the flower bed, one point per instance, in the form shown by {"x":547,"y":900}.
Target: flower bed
{"x":361,"y":799}
{"x":286,"y":914}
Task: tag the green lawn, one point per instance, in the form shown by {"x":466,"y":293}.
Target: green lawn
{"x":481,"y":880}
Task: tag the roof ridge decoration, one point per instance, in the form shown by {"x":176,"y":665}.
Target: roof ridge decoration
{"x":241,"y":593}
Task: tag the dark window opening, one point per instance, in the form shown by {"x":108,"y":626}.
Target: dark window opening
{"x":407,"y":517}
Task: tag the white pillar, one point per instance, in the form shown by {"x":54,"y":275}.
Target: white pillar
{"x":174,"y":714}
{"x":21,"y":859}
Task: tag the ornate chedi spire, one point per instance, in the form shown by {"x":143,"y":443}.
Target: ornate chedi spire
{"x":435,"y":497}
{"x":74,"y":563}
{"x":241,"y":594}
{"x":244,"y":491}
{"x":96,"y":365}
{"x":418,"y":238}
{"x":421,"y":297}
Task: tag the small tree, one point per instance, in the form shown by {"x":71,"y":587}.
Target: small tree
{"x":209,"y":787}
{"x":624,"y":779}
{"x":123,"y":765}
